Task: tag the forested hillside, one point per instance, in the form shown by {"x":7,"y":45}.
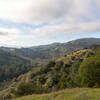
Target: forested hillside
{"x":23,"y":72}
{"x":49,"y":52}
{"x":56,"y":50}
{"x":55,"y":75}
{"x":12,"y":65}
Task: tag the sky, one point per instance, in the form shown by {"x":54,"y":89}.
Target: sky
{"x":26,"y":23}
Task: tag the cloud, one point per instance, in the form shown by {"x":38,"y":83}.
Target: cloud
{"x":65,"y":18}
{"x":41,"y":11}
{"x":46,"y":34}
{"x":9,"y":31}
{"x":3,"y":33}
{"x":8,"y":36}
{"x":13,"y":37}
{"x":53,"y":31}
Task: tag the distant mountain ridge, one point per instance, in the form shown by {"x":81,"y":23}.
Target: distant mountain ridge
{"x":54,"y":50}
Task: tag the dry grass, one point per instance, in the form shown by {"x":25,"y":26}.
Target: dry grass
{"x":68,"y":94}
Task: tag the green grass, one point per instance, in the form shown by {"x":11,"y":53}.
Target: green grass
{"x":68,"y":94}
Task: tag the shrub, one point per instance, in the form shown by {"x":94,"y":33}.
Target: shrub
{"x":65,"y":82}
{"x":89,"y":72}
{"x":24,"y":89}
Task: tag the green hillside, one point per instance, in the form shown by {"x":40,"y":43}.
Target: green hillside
{"x":55,"y":75}
{"x":67,"y":94}
{"x":68,"y":71}
{"x":52,"y":51}
{"x":56,"y":50}
{"x":11,"y":66}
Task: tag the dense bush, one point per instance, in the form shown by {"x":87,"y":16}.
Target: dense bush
{"x":24,"y":89}
{"x":89,"y":72}
{"x":30,"y":88}
{"x":58,"y":74}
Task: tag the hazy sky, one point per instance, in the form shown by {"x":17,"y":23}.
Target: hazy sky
{"x":36,"y":22}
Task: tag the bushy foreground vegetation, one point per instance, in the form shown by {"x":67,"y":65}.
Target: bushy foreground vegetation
{"x":79,"y":69}
{"x":67,"y":94}
{"x":82,"y":70}
{"x":89,"y":72}
{"x":55,"y":75}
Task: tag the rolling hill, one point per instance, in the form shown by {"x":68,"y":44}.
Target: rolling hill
{"x":48,"y":77}
{"x":56,"y":50}
{"x":62,"y":61}
{"x":49,"y":52}
{"x":12,"y":65}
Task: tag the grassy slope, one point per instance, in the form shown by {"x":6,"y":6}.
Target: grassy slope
{"x":27,"y":77}
{"x":68,"y":94}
